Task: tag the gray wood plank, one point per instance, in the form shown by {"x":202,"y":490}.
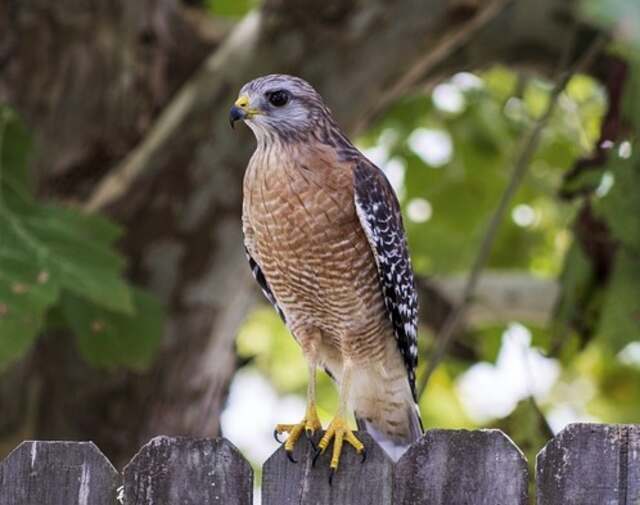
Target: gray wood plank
{"x":590,"y":464}
{"x":355,"y":483}
{"x":57,"y":473}
{"x":456,"y":467}
{"x":188,"y":471}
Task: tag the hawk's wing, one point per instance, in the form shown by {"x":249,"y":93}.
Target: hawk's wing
{"x":379,"y":213}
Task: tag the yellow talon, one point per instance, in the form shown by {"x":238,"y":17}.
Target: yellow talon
{"x":310,"y":424}
{"x":339,"y":431}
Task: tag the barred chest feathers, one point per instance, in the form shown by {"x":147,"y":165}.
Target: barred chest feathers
{"x":301,"y":226}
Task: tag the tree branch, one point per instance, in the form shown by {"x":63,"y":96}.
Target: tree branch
{"x":501,"y":297}
{"x":200,"y":88}
{"x":453,"y":41}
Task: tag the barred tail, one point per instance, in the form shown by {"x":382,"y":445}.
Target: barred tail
{"x":394,"y":423}
{"x":393,"y":446}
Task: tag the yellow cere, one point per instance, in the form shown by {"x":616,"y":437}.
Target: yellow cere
{"x":242,"y":101}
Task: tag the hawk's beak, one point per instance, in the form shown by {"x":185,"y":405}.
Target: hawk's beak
{"x":241,"y":110}
{"x":236,"y":113}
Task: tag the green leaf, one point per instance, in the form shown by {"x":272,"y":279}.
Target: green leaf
{"x":26,"y":292}
{"x":620,"y":321}
{"x":76,"y":262}
{"x":74,"y":249}
{"x":15,"y":151}
{"x":26,"y":286}
{"x":109,"y":339}
{"x":80,"y":225}
{"x":46,"y":250}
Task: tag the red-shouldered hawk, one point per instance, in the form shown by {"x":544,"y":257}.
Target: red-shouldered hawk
{"x":324,"y":238}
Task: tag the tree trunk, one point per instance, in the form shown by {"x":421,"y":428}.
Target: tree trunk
{"x":129,"y":109}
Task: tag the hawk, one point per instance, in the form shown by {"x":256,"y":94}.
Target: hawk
{"x":324,"y":238}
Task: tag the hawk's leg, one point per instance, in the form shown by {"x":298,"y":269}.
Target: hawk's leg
{"x":309,"y":424}
{"x":338,"y":429}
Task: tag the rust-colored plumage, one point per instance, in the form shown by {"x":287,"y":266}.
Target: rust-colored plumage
{"x":324,"y":239}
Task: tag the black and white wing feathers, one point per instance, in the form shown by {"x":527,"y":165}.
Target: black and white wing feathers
{"x":258,"y":275}
{"x":379,"y":214}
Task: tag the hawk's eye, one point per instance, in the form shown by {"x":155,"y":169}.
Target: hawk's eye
{"x":278,"y":98}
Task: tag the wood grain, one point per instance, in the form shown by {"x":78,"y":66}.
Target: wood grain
{"x":188,"y":471}
{"x":591,"y":464}
{"x":586,"y":464}
{"x":57,"y":473}
{"x":301,"y":483}
{"x":448,"y":467}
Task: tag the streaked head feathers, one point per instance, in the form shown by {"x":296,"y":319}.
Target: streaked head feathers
{"x":280,"y":105}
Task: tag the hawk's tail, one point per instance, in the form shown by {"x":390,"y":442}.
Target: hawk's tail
{"x":394,"y":446}
{"x":393,"y":421}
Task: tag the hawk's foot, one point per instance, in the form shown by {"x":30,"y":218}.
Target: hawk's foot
{"x":309,"y":425}
{"x":339,"y":432}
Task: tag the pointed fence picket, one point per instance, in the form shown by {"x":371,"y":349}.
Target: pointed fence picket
{"x":585,"y":464}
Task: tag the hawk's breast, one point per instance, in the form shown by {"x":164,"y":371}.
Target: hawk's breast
{"x":308,"y":241}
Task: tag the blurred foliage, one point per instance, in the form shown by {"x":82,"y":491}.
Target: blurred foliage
{"x":449,"y":153}
{"x":230,"y":8}
{"x":59,"y":269}
{"x":620,"y":16}
{"x":484,"y":136}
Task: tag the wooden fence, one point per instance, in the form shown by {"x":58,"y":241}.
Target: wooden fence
{"x":586,"y":464}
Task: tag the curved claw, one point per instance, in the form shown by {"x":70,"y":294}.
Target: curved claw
{"x":316,"y":456}
{"x":290,"y":456}
{"x":332,"y":472}
{"x":276,"y":434}
{"x":308,"y":435}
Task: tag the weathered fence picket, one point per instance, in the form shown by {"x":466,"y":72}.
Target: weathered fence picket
{"x":585,"y":464}
{"x":590,"y":464}
{"x":188,"y":471}
{"x":362,"y":483}
{"x":449,"y":467}
{"x":57,"y":473}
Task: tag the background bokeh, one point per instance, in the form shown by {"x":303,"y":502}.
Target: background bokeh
{"x":97,"y":342}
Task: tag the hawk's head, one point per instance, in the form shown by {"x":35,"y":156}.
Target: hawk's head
{"x":279,"y":105}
